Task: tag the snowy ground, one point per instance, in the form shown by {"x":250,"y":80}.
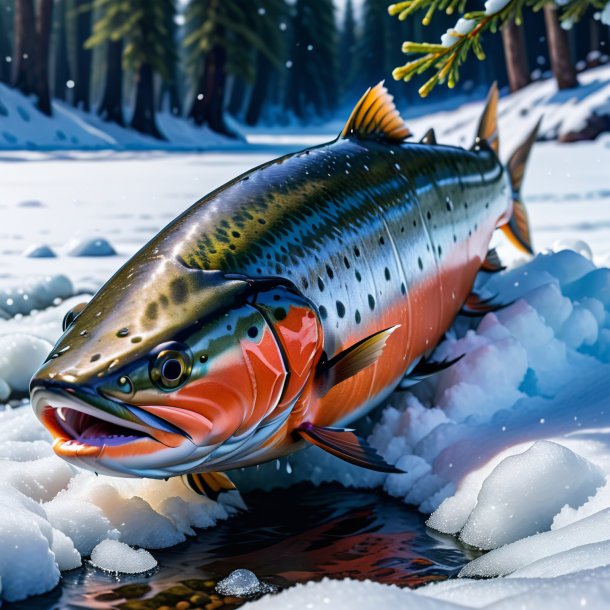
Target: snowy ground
{"x":512,"y":441}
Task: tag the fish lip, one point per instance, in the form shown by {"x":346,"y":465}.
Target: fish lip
{"x":50,"y":401}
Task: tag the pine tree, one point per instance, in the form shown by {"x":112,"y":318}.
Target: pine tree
{"x":347,"y":49}
{"x":220,"y":41}
{"x":513,"y":39}
{"x":271,"y":15}
{"x":312,"y":81}
{"x":6,"y":8}
{"x":169,"y":85}
{"x":148,"y":48}
{"x":62,"y":62}
{"x":82,"y":64}
{"x":32,"y":40}
{"x":559,"y":50}
{"x":445,"y":59}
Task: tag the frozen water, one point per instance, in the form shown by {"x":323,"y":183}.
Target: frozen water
{"x":115,"y":556}
{"x":97,"y":246}
{"x":242,"y":583}
{"x":20,"y":356}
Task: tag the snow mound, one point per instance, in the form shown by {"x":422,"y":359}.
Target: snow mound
{"x":20,"y":356}
{"x":114,"y":556}
{"x":37,"y":293}
{"x":523,"y":494}
{"x":522,"y":553}
{"x":39,"y":251}
{"x":243,"y":583}
{"x":96,"y":246}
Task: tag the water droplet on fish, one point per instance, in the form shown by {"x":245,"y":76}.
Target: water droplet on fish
{"x":288,"y":468}
{"x":84,"y":333}
{"x":123,"y":332}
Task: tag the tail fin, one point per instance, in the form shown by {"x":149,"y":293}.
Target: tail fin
{"x":488,"y":125}
{"x":517,"y":229}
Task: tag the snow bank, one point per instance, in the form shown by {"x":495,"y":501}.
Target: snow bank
{"x":118,"y":557}
{"x":52,"y":515}
{"x":24,"y":127}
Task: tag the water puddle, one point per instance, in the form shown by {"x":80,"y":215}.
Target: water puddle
{"x":286,"y":537}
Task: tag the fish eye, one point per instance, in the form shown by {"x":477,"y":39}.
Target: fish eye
{"x":170,"y":367}
{"x":71,"y":316}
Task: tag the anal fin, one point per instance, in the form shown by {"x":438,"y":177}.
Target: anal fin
{"x":345,"y":445}
{"x":429,"y":137}
{"x":492,"y":262}
{"x":210,"y":484}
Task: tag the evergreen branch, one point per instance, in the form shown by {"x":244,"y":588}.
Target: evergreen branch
{"x":458,"y":42}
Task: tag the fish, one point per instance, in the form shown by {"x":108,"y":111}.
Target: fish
{"x":284,"y":305}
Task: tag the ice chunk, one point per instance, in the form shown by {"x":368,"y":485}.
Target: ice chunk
{"x":97,"y":246}
{"x":20,"y":356}
{"x":115,"y":556}
{"x":242,"y":583}
{"x":509,"y":558}
{"x":5,"y":390}
{"x":524,"y":493}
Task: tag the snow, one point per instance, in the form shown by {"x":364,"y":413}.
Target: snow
{"x":510,"y":441}
{"x":242,"y":583}
{"x":114,"y":556}
{"x":605,"y":14}
{"x":97,"y":246}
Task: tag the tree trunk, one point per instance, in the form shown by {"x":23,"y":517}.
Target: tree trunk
{"x":559,"y":50}
{"x":236,"y":100}
{"x":208,"y":103}
{"x":62,"y":63}
{"x":83,"y":56}
{"x":5,"y":49}
{"x":169,"y":89}
{"x":24,"y":77}
{"x":45,"y":23}
{"x":144,"y":113}
{"x":259,"y":92}
{"x":111,"y":106}
{"x":513,"y":39}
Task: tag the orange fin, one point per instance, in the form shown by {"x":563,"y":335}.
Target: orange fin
{"x":517,"y":229}
{"x":492,"y":262}
{"x":488,"y":124}
{"x":429,"y":137}
{"x":375,"y":118}
{"x":354,"y":359}
{"x":210,"y":484}
{"x":345,"y":445}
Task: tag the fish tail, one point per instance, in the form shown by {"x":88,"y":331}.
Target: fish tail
{"x":517,"y":228}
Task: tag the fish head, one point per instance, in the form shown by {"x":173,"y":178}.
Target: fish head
{"x":168,"y":369}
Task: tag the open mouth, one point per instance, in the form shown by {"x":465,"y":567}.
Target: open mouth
{"x":91,"y":430}
{"x":79,"y":433}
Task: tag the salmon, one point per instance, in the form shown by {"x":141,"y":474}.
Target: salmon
{"x":284,"y":305}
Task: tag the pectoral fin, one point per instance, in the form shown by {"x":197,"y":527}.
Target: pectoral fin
{"x":354,"y":359}
{"x":345,"y":445}
{"x":210,"y":484}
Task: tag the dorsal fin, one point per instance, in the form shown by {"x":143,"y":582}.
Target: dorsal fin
{"x":429,"y":137}
{"x":488,"y":125}
{"x":375,"y":118}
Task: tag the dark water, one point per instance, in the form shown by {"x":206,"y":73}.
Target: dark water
{"x":287,"y":536}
